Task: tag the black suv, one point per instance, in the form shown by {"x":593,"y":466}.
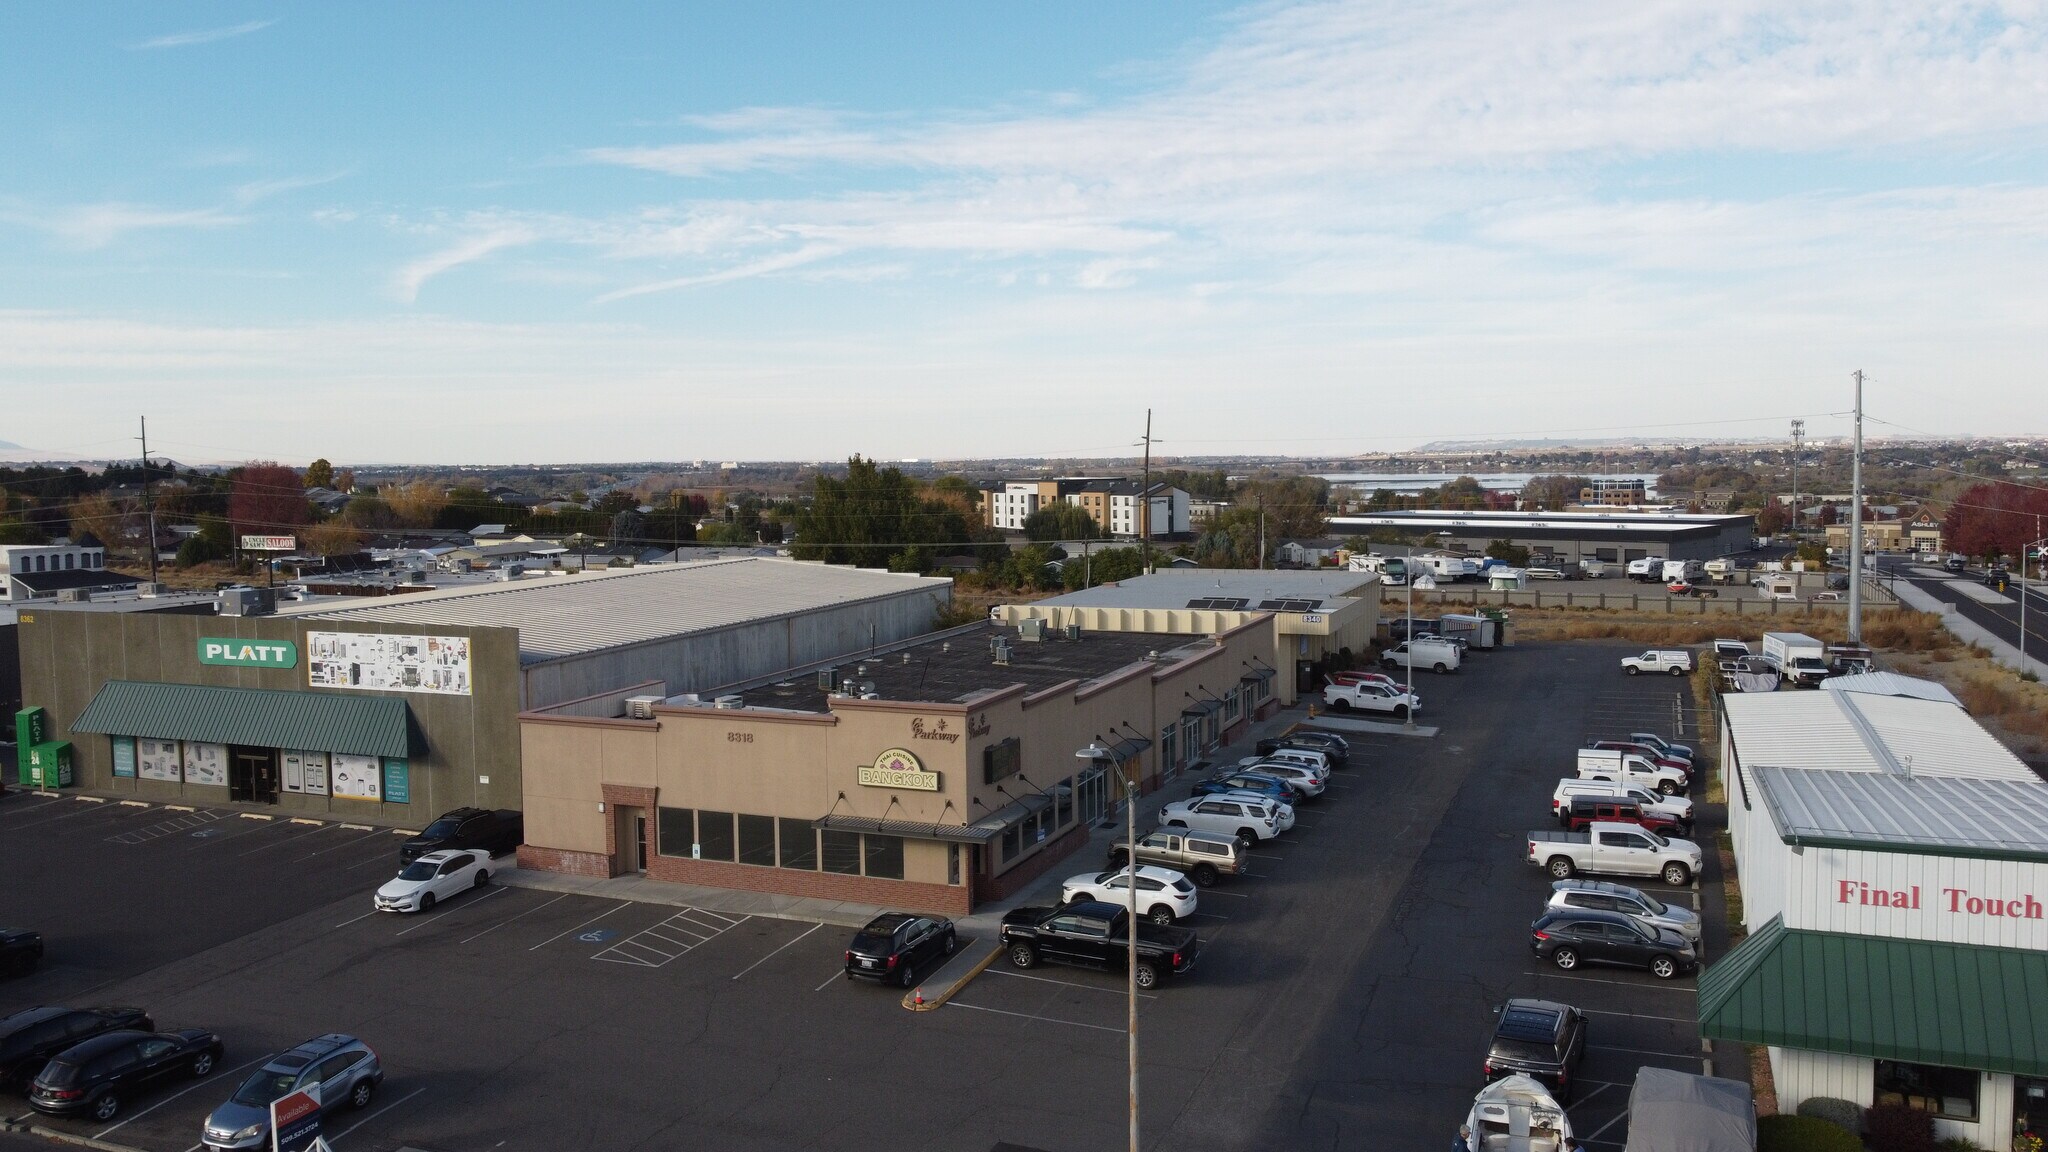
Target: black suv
{"x":95,"y":1078}
{"x":1589,"y":936}
{"x":1329,"y":744}
{"x":30,"y":1037}
{"x":893,"y":944}
{"x":495,"y":832}
{"x":1541,"y":1039}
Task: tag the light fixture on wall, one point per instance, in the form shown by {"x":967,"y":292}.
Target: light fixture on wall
{"x":600,"y":805}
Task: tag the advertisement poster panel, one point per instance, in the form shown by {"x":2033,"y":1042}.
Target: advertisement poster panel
{"x":159,"y":760}
{"x":382,"y":662}
{"x":206,"y":763}
{"x":294,"y":1122}
{"x":397,"y":780}
{"x":358,"y":777}
{"x":124,"y":756}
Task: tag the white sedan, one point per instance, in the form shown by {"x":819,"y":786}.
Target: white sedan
{"x":435,"y":876}
{"x":1163,"y":894}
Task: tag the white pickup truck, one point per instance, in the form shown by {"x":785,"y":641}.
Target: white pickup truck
{"x":1615,"y":850}
{"x":1674,"y":661}
{"x":1631,"y":768}
{"x":1371,"y":697}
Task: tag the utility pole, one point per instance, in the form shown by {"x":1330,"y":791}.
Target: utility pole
{"x":1262,"y":531}
{"x":148,"y":504}
{"x":1856,"y":524}
{"x":1145,"y":530}
{"x":1798,"y":434}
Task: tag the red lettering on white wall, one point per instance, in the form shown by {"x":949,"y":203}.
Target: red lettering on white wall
{"x":2019,"y":908}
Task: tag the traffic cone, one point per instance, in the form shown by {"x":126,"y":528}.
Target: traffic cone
{"x":919,"y":1001}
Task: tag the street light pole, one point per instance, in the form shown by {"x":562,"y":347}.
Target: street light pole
{"x":1409,"y":637}
{"x":1131,"y":931}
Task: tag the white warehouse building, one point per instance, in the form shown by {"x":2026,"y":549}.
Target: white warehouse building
{"x":1894,"y":867}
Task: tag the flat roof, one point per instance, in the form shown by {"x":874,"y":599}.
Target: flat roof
{"x":1181,"y":588}
{"x":1891,"y":684}
{"x":1862,"y":732}
{"x":1887,"y":812}
{"x":1547,"y":525}
{"x":561,"y":616}
{"x":958,"y":665}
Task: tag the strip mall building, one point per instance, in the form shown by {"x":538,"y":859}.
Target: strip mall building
{"x":1894,"y":866}
{"x":931,"y":774}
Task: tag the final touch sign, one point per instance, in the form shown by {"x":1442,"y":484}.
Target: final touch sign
{"x":897,"y":768}
{"x":248,"y":653}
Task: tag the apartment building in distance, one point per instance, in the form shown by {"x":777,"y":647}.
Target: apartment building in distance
{"x":1115,"y":504}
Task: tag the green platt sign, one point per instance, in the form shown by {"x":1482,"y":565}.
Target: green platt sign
{"x":248,"y":653}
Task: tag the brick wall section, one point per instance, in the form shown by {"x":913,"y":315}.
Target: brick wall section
{"x":1013,"y":881}
{"x":945,"y":899}
{"x":562,"y":860}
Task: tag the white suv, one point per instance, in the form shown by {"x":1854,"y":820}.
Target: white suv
{"x":1244,"y":817}
{"x":1163,"y":894}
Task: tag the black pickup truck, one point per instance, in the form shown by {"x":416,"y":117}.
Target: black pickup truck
{"x":1094,"y":935}
{"x":495,"y":832}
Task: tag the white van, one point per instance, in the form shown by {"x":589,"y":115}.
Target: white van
{"x":1423,"y":652}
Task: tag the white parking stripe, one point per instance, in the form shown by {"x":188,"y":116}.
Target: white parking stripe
{"x":652,"y":942}
{"x":585,"y":924}
{"x":994,"y":971}
{"x":772,"y":955}
{"x":377,"y":1113}
{"x":1640,"y":1016}
{"x":436,"y":916}
{"x":102,"y":1134}
{"x":1029,"y":1016}
{"x":1660,"y":986}
{"x":1643,"y":1052}
{"x":509,"y":919}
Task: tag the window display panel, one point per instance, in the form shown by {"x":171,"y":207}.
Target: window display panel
{"x":159,"y":760}
{"x":206,"y":763}
{"x":358,"y":777}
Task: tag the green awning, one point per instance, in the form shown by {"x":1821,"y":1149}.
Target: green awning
{"x":262,"y":717}
{"x":1921,"y":1001}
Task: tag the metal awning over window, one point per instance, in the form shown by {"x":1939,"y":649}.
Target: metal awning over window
{"x":1256,"y":676}
{"x":1125,"y":749}
{"x":908,"y":829}
{"x":262,"y":717}
{"x":1202,"y":707}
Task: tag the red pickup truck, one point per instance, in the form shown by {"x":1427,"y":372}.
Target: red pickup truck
{"x":1585,"y":811}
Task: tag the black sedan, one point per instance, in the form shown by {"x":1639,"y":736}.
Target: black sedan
{"x":31,"y":1036}
{"x":895,"y":944}
{"x":1584,"y":936}
{"x":97,"y":1077}
{"x":20,"y":950}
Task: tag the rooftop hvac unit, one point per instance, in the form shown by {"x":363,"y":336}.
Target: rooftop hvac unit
{"x":1074,"y":631}
{"x":511,"y":571}
{"x":1031,"y":630}
{"x":871,"y":695}
{"x":827,"y":678}
{"x":416,"y":576}
{"x":642,"y":707}
{"x":247,"y":602}
{"x":73,"y":595}
{"x":1002,"y":652}
{"x":729,"y":702}
{"x":146,"y":588}
{"x":689,"y":698}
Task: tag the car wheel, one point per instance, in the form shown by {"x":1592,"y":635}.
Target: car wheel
{"x":1161,"y":915}
{"x":1400,"y":711}
{"x":1146,"y":977}
{"x":907,"y":975}
{"x":1663,"y":968}
{"x":426,"y":901}
{"x":1677,"y":875}
{"x":1634,"y":671}
{"x":106,"y":1107}
{"x":1678,"y":671}
{"x":202,"y":1064}
{"x":1247,"y":837}
{"x":1204,"y":876}
{"x":952,"y":942}
{"x":1440,"y":668}
{"x":1561,"y":867}
{"x":1023,"y":956}
{"x":483,"y":877}
{"x":1565,"y":958}
{"x":359,"y":1096}
{"x":1176,"y":823}
{"x":1667,"y":787}
{"x":1340,"y":704}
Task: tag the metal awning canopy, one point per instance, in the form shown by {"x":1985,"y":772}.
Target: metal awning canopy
{"x":1202,"y":707}
{"x":262,"y":717}
{"x":909,"y":829}
{"x":1255,"y":676}
{"x":1124,"y":749}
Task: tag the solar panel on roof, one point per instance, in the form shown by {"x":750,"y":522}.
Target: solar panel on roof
{"x":1288,"y":606}
{"x":1220,"y":603}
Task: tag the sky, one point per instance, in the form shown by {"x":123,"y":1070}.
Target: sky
{"x":502,"y":233}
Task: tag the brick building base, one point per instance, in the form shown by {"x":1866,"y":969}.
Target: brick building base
{"x":945,"y":899}
{"x":1061,"y":847}
{"x":562,"y":860}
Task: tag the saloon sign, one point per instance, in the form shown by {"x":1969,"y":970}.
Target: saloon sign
{"x":248,"y":653}
{"x":897,"y":768}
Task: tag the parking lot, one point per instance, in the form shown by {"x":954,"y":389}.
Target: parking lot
{"x":1342,"y":996}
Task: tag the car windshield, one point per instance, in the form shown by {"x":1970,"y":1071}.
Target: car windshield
{"x":259,"y":1090}
{"x":419,"y":870}
{"x":58,"y":1074}
{"x":440,"y":829}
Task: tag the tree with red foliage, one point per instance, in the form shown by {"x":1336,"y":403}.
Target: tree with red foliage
{"x":267,"y":499}
{"x":1996,"y":519}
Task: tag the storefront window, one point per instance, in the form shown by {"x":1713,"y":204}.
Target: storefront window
{"x":1013,"y":843}
{"x":1063,"y":792}
{"x":1169,"y":759}
{"x":841,"y":852}
{"x":799,"y":845}
{"x":884,"y":856}
{"x":675,"y":830}
{"x":1946,"y":1092}
{"x":757,"y":840}
{"x":714,"y":835}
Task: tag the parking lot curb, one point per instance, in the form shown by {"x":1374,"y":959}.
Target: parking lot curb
{"x":255,"y":815}
{"x":66,"y":1137}
{"x":134,"y":803}
{"x":917,"y":1001}
{"x":47,"y":795}
{"x":179,"y":808}
{"x":309,"y":820}
{"x":91,"y":799}
{"x":359,"y":827}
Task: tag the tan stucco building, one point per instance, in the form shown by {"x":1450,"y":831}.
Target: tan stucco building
{"x":934,"y":774}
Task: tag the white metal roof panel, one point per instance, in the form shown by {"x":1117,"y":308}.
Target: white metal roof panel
{"x":1891,"y":684}
{"x":560,"y":616}
{"x":1859,"y":732}
{"x":1171,"y":588}
{"x":1889,"y":812}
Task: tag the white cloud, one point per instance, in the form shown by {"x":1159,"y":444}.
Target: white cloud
{"x":762,"y":267}
{"x":98,"y":225}
{"x":259,"y":190}
{"x":406,"y":285}
{"x":205,"y":36}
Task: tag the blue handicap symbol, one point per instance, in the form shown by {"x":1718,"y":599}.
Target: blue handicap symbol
{"x":597,"y":935}
{"x":207,"y":832}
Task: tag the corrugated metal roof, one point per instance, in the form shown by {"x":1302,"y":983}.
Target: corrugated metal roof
{"x":560,"y":616}
{"x":1882,"y":812}
{"x":1835,"y":730}
{"x":264,"y":717}
{"x":1891,"y":684}
{"x":1921,"y":1001}
{"x":1173,"y":589}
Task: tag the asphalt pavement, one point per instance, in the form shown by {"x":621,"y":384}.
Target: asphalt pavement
{"x":1996,"y":611}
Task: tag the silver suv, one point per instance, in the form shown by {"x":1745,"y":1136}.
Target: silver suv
{"x":335,"y":1069}
{"x":1606,"y":896}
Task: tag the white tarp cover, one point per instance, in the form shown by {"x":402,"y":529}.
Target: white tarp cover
{"x":1679,"y":1112}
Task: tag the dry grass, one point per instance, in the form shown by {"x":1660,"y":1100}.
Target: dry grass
{"x":1897,"y":629}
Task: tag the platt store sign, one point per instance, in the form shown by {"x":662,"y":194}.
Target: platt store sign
{"x":897,"y":768}
{"x":230,"y":653}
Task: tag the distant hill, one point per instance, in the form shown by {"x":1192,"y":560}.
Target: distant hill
{"x":1554,"y":445}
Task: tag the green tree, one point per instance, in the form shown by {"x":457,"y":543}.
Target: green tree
{"x":1061,"y":521}
{"x":1294,"y":506}
{"x":21,"y":532}
{"x":320,"y":474}
{"x":1462,"y":493}
{"x":1553,"y":491}
{"x":876,"y":518}
{"x":1104,"y":567}
{"x":1509,"y":551}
